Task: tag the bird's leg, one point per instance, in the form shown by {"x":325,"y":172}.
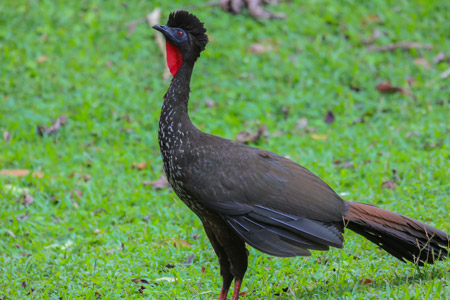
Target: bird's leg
{"x":237,"y":288}
{"x":227,"y":279}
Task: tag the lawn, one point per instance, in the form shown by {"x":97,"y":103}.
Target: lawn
{"x":89,"y":221}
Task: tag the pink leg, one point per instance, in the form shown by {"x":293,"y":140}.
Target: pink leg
{"x":237,"y":288}
{"x":223,"y":293}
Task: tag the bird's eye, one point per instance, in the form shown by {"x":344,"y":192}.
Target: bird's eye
{"x":180,"y":33}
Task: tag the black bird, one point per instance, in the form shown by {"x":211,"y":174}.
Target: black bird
{"x":247,"y":195}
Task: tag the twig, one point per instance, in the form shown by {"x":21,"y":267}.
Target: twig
{"x":400,"y":45}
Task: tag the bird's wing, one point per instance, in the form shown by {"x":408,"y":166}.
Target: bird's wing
{"x":276,"y":205}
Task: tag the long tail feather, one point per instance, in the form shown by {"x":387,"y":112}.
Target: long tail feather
{"x":402,"y":237}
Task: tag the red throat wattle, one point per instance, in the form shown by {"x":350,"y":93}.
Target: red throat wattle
{"x":174,"y":58}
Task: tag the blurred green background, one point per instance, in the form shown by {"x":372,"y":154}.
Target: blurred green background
{"x":92,"y":226}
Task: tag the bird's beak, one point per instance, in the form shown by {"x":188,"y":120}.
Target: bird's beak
{"x":161,"y":28}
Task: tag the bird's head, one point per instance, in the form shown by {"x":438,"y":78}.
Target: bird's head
{"x":185,"y":39}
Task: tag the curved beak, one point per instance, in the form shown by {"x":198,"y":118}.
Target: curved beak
{"x":161,"y":28}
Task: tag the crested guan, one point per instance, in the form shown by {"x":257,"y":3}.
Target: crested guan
{"x":247,"y":195}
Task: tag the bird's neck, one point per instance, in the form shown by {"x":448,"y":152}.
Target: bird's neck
{"x":174,"y":123}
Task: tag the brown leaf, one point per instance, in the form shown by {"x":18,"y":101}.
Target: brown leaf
{"x":27,"y":199}
{"x":139,"y":280}
{"x":20,"y":173}
{"x":371,"y":19}
{"x":387,"y":88}
{"x":260,"y":48}
{"x":21,"y":218}
{"x":329,"y":117}
{"x":140,"y":166}
{"x":169,"y":266}
{"x":43,"y":130}
{"x":302,"y":123}
{"x":388,"y":185}
{"x":439,"y":58}
{"x":445,"y":74}
{"x":159,"y":184}
{"x":110,"y":251}
{"x":365,"y":281}
{"x":400,"y":45}
{"x":188,"y":260}
{"x":24,"y":284}
{"x":97,"y":295}
{"x":6,"y":136}
{"x":11,"y":234}
{"x":321,"y":137}
{"x":247,"y":136}
{"x":77,"y":193}
{"x":210,"y":103}
{"x":177,"y":242}
{"x":422,"y":62}
{"x":203,"y":269}
{"x":41,"y":59}
{"x":242,"y":294}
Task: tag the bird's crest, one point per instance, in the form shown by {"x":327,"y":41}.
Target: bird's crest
{"x":190,"y":23}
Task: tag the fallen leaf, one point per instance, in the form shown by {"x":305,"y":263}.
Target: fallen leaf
{"x":141,"y":290}
{"x":387,"y":88}
{"x":177,"y":242}
{"x":371,"y":19}
{"x":11,"y":234}
{"x":247,"y":136}
{"x":97,"y":295}
{"x":203,"y":269}
{"x":169,"y":266}
{"x":439,"y":58}
{"x":24,"y":284}
{"x":260,"y":48}
{"x":6,"y":136}
{"x":445,"y":74}
{"x":302,"y":123}
{"x":329,"y":117}
{"x":77,"y":193}
{"x":20,"y":173}
{"x":146,"y":218}
{"x":210,"y":103}
{"x":43,"y":130}
{"x":400,"y":45}
{"x":140,"y":166}
{"x":321,"y":137}
{"x":169,"y":279}
{"x":110,"y":251}
{"x":159,"y":184}
{"x":139,"y":280}
{"x":242,"y":294}
{"x":85,"y":177}
{"x":21,"y":218}
{"x":27,"y":199}
{"x":388,"y":185}
{"x":188,"y":260}
{"x":365,"y":281}
{"x":41,"y":59}
{"x":422,"y":62}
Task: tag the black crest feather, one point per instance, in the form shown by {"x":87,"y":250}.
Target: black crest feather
{"x":190,"y":23}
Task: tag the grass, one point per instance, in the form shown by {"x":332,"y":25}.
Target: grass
{"x":94,"y":227}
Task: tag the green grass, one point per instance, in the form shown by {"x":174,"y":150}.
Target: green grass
{"x":77,"y":59}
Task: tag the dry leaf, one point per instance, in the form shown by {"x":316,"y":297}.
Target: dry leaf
{"x":139,"y":280}
{"x":422,"y":62}
{"x":41,"y":59}
{"x":321,"y":137}
{"x":247,"y":136}
{"x":177,"y":242}
{"x":21,"y":218}
{"x":159,"y":184}
{"x":260,"y":48}
{"x":188,"y":260}
{"x":20,"y":173}
{"x":329,"y":117}
{"x":388,"y":185}
{"x":365,"y":281}
{"x":24,"y":284}
{"x":210,"y":103}
{"x":400,"y":45}
{"x":371,"y":19}
{"x":302,"y":123}
{"x":255,"y":8}
{"x":439,"y":58}
{"x":60,"y":121}
{"x":27,"y":199}
{"x":140,"y":166}
{"x":387,"y":88}
{"x":203,"y":269}
{"x":445,"y":74}
{"x":6,"y":136}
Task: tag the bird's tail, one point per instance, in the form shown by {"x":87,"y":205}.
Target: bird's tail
{"x":402,"y":237}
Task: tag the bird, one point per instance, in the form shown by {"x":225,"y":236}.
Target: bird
{"x":248,"y":196}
